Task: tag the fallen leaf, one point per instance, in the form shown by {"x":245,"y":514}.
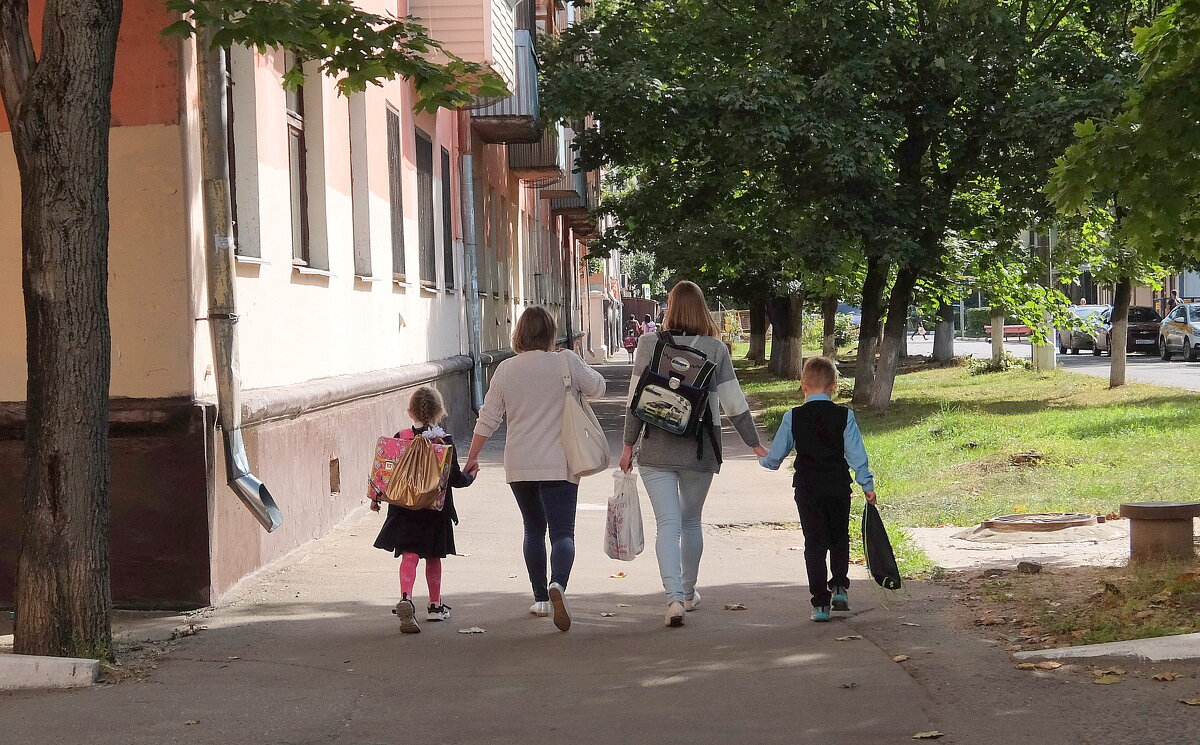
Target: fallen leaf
{"x":1107,"y":680}
{"x":512,"y":576}
{"x":849,"y":685}
{"x":1166,"y":677}
{"x":900,"y":658}
{"x":473,"y":630}
{"x":607,"y":615}
{"x":618,"y":575}
{"x":192,"y":721}
{"x":1109,"y":671}
{"x":1026,"y":666}
{"x":850,"y":638}
{"x":909,"y":623}
{"x":734,"y":606}
{"x":928,"y":735}
{"x":795,"y":548}
{"x":1190,"y":701}
{"x":1048,"y":665}
{"x":623,"y":605}
{"x":233,"y":657}
{"x":1187,"y":577}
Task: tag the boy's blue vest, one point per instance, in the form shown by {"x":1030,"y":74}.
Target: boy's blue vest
{"x":818,"y":429}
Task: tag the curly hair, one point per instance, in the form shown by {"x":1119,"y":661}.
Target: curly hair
{"x":426,"y":406}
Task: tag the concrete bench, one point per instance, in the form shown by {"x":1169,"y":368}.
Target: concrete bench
{"x":1160,"y":530}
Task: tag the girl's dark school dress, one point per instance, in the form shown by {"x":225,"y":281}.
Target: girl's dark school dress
{"x":426,"y":533}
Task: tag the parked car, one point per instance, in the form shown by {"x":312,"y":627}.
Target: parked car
{"x":1142,"y":335}
{"x":1180,"y":332}
{"x":1081,"y":338}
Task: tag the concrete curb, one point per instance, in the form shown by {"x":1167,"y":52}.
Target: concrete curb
{"x":23,"y":672}
{"x":1158,"y":649}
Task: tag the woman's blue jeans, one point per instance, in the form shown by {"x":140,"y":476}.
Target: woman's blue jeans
{"x":678,"y":498}
{"x":547,"y":506}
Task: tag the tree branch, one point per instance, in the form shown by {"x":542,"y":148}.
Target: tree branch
{"x":17,"y":60}
{"x":1044,"y":30}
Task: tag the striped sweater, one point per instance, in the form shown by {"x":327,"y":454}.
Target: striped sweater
{"x":660,"y":449}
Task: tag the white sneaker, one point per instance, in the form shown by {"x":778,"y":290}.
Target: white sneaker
{"x":407,"y":614}
{"x":694,"y":603}
{"x":541,"y":609}
{"x":439,"y":612}
{"x":558,"y":599}
{"x":674,"y":617}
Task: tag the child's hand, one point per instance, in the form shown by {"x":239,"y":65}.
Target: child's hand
{"x":870,"y":497}
{"x":375,"y":505}
{"x":471,"y":468}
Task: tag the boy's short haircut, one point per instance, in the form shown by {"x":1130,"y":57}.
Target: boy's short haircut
{"x":819,"y":373}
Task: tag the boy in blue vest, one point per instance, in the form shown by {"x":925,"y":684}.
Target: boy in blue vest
{"x":828,"y":445}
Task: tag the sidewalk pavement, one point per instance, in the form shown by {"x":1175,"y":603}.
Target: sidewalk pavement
{"x":309,"y":653}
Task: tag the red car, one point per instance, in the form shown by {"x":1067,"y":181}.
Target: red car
{"x":1142,"y":335}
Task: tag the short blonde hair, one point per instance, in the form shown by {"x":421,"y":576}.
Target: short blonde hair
{"x":819,"y":373}
{"x":535,"y":331}
{"x":687,"y":311}
{"x":426,"y":406}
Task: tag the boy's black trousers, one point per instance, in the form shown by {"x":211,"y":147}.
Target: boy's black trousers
{"x":825,"y":520}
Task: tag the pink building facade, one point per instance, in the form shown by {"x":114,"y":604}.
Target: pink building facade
{"x":352,"y":279}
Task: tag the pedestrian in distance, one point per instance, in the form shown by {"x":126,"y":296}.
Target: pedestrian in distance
{"x":676,"y":470}
{"x":828,"y":445}
{"x":634,"y":326}
{"x":920,"y":329}
{"x":631,"y":341}
{"x":412,"y":535}
{"x":648,"y":325}
{"x":527,"y":390}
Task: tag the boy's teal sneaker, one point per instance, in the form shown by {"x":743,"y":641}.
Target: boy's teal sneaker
{"x":820,"y":613}
{"x":841,"y":601}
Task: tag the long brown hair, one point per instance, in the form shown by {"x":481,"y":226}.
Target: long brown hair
{"x":687,"y":311}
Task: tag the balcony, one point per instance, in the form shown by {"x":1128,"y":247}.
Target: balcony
{"x":574,"y":199}
{"x":541,"y":162}
{"x":516,"y":118}
{"x":482,"y":31}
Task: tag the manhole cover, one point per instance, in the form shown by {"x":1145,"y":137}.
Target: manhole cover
{"x":1041,"y":521}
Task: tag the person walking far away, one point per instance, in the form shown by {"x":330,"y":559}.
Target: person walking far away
{"x":413,"y":535}
{"x":648,"y":325}
{"x":828,"y":444}
{"x":631,"y":341}
{"x":528,"y":391}
{"x":678,"y":470}
{"x":634,"y":327}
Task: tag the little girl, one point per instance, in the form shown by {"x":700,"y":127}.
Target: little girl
{"x":631,"y":344}
{"x":423,"y":534}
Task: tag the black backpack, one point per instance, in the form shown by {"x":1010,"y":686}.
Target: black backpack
{"x":672,"y":393}
{"x":881,"y":560}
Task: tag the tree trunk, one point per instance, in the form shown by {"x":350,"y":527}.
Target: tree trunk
{"x":787,"y":322}
{"x":758,"y":333}
{"x":1118,"y":340}
{"x":894,"y":334}
{"x":997,"y":334}
{"x":829,"y":308}
{"x":943,"y":334}
{"x":868,"y":329}
{"x":60,"y":126}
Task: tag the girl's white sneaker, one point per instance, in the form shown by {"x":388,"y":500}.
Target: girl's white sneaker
{"x":540,"y":609}
{"x":694,"y":603}
{"x":674,"y":615}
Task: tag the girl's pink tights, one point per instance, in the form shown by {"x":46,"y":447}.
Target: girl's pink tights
{"x":433,"y":577}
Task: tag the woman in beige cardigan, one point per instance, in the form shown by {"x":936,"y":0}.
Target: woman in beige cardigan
{"x":528,"y":391}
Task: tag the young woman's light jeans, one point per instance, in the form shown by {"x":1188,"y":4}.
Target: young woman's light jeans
{"x":677,"y":498}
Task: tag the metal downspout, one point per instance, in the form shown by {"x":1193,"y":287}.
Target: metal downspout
{"x":222,"y":301}
{"x":474,"y":311}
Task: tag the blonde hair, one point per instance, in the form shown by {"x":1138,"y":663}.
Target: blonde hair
{"x":819,"y":373}
{"x":688,"y":312}
{"x":426,"y":406}
{"x":535,"y":331}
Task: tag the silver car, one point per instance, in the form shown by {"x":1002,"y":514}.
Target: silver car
{"x":1081,"y":338}
{"x":1180,"y":332}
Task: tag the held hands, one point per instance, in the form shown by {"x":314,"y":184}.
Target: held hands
{"x":760,"y":451}
{"x":471,"y":468}
{"x":626,"y":463}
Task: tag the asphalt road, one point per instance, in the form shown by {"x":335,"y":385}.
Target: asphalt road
{"x":1141,"y":368}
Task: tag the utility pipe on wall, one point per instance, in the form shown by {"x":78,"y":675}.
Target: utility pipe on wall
{"x":471,"y":258}
{"x":222,"y":301}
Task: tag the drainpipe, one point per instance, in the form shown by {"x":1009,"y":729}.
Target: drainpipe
{"x":222,"y":302}
{"x":474,"y":311}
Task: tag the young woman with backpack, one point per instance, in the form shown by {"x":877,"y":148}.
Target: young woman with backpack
{"x":678,"y":470}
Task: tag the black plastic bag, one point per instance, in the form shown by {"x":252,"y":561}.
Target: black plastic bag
{"x":881,"y":560}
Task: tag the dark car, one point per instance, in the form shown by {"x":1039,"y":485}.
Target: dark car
{"x":1081,"y":338}
{"x":1142,"y":335}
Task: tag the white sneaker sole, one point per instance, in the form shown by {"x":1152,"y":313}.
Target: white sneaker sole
{"x":408,"y":618}
{"x":562,"y":616}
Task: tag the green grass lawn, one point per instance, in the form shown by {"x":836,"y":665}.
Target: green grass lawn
{"x":941,"y":453}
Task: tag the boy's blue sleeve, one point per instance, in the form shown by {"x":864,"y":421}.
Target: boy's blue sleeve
{"x":856,"y":454}
{"x":780,"y":446}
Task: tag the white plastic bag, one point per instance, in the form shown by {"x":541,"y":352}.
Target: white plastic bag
{"x":623,"y":537}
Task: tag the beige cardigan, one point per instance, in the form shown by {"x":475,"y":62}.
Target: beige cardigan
{"x":527,"y":390}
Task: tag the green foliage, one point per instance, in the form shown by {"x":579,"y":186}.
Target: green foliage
{"x":641,"y":268}
{"x":987,"y":365}
{"x":595,"y":265}
{"x":354,"y":47}
{"x":977,"y":319}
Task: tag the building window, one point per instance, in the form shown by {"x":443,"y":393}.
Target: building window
{"x":360,"y":192}
{"x":298,"y":172}
{"x":425,"y":232}
{"x":447,"y":233}
{"x":396,"y":192}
